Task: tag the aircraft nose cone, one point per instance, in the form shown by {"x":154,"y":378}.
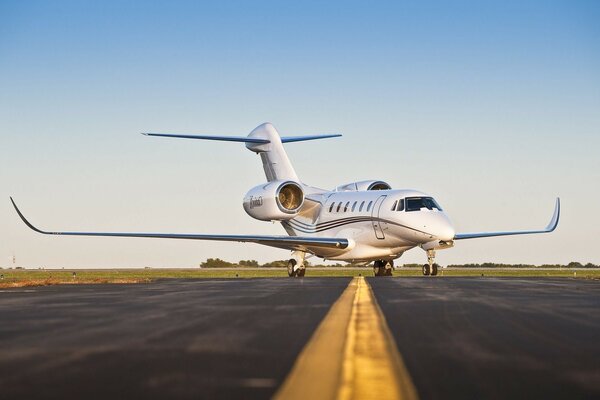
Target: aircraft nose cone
{"x":445,"y":233}
{"x":443,"y":229}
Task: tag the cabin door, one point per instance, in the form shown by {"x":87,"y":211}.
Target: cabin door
{"x":377,"y":225}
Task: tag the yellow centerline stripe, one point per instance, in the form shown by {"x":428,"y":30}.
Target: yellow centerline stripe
{"x":351,"y":355}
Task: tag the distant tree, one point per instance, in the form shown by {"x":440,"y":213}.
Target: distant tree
{"x":574,"y":264}
{"x":276,"y":264}
{"x":216,"y":263}
{"x":248,"y":263}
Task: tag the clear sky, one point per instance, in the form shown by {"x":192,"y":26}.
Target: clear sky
{"x":492,"y":107}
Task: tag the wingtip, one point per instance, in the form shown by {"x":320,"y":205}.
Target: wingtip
{"x":555,"y":217}
{"x":29,"y":224}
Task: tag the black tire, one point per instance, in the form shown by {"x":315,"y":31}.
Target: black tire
{"x":290,"y":268}
{"x":300,"y":272}
{"x":426,"y":270}
{"x":388,"y":271}
{"x":434,"y":269}
{"x":378,"y":268}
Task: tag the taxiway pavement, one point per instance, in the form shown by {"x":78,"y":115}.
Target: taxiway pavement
{"x":239,"y":338}
{"x":208,"y":338}
{"x":496,"y":338}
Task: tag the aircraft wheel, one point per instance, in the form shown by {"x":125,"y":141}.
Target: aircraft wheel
{"x":426,"y":270}
{"x":300,"y":272}
{"x":389,"y":267}
{"x":377,"y":268}
{"x":290,"y":268}
{"x":434,"y":269}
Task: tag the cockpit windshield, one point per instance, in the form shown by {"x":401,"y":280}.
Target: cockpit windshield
{"x":417,"y":203}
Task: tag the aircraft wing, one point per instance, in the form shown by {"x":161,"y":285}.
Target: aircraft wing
{"x":551,"y":226}
{"x":282,"y":242}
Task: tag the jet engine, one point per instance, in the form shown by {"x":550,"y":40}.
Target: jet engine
{"x":274,"y":201}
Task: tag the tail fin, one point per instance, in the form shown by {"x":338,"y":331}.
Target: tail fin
{"x":263,"y":140}
{"x":275,"y":161}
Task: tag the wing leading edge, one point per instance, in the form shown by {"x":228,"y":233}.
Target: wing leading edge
{"x":551,"y":226}
{"x":282,"y":242}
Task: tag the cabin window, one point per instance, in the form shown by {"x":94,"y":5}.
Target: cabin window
{"x":400,"y":205}
{"x":394,"y":206}
{"x":346,"y":206}
{"x":338,"y":207}
{"x":331,"y":207}
{"x":369,"y":206}
{"x":354,"y":206}
{"x":361,"y":206}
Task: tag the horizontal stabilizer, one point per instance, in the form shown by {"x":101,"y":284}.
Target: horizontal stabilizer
{"x":551,"y":227}
{"x":243,"y":139}
{"x":291,"y":139}
{"x":310,"y":244}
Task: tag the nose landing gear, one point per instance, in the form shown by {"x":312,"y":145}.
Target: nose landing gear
{"x":430,"y":268}
{"x":383,"y":267}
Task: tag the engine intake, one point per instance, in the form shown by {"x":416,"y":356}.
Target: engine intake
{"x":274,"y":201}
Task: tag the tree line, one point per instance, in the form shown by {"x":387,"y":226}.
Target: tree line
{"x":218,"y":263}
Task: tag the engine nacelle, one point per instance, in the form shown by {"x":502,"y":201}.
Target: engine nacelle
{"x":363,"y":185}
{"x":274,"y":201}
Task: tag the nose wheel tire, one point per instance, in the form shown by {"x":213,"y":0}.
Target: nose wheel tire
{"x":426,"y":270}
{"x":430,"y":270}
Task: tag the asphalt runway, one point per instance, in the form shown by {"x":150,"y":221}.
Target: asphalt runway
{"x":239,"y":338}
{"x":170,"y":339}
{"x":496,"y":338}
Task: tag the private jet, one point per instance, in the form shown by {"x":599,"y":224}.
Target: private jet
{"x":358,"y":222}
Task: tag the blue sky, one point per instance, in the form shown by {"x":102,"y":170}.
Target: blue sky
{"x":492,"y":107}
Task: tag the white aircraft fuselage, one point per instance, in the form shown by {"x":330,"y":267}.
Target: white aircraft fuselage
{"x":373,"y":222}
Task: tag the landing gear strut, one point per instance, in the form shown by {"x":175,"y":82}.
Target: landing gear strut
{"x":430,"y":268}
{"x":295,"y":265}
{"x":383,"y":267}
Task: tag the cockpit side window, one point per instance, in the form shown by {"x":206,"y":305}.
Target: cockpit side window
{"x":400,"y":205}
{"x":417,"y":203}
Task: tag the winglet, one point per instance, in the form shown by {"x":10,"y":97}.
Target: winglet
{"x":24,"y":219}
{"x":555,"y":217}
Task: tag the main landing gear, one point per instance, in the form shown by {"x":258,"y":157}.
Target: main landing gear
{"x":295,"y":265}
{"x":383,"y":267}
{"x":430,"y":268}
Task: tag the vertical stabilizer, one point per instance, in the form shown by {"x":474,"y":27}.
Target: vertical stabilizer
{"x":275,"y":161}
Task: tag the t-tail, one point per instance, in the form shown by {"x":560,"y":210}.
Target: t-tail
{"x":263,"y":140}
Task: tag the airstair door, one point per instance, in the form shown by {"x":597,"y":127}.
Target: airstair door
{"x":377,"y":225}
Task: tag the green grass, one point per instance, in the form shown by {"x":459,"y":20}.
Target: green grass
{"x":15,"y":278}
